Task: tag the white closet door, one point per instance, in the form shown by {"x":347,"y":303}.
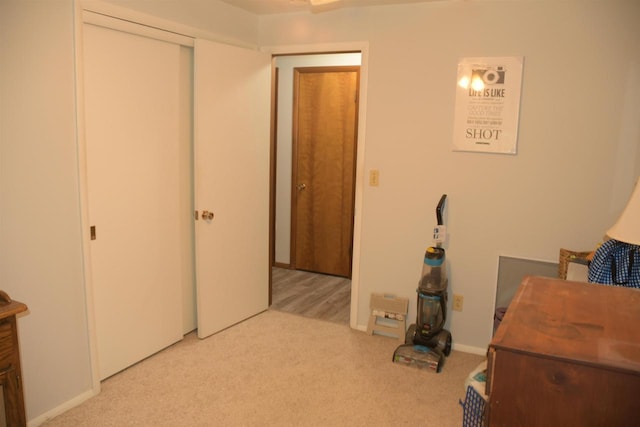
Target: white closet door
{"x":232,"y":117}
{"x":132,"y":133}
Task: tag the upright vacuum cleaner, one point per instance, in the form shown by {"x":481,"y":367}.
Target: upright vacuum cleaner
{"x":427,"y":343}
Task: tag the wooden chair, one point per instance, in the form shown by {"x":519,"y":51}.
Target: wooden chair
{"x":567,"y":256}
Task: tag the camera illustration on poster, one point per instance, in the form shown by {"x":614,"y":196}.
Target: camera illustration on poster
{"x":487,"y":104}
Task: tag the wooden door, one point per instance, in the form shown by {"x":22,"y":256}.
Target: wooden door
{"x":232,"y":146}
{"x":131,"y":87}
{"x":324,"y":151}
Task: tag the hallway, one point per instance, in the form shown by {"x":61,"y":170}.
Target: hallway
{"x":312,"y":295}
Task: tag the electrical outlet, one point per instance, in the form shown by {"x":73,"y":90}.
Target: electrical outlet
{"x":458,"y":301}
{"x":374,"y":177}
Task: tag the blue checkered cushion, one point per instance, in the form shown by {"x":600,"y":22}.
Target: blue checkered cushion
{"x":616,"y":263}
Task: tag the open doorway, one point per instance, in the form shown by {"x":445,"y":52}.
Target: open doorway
{"x":311,"y":271}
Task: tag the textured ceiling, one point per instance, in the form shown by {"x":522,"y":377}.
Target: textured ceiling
{"x":267,"y":7}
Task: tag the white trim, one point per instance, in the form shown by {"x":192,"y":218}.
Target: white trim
{"x":93,"y":18}
{"x":469,"y":349}
{"x":456,"y":347}
{"x":67,"y":405}
{"x":159,"y":24}
{"x":363,"y":48}
{"x":84,"y":202}
{"x":360,"y":185}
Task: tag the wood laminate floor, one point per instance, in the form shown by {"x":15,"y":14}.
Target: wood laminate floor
{"x":311,"y":295}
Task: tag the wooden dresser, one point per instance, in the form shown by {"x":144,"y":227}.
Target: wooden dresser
{"x":566,"y":354}
{"x":10,"y":373}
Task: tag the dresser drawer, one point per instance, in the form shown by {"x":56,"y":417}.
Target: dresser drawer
{"x":7,"y":346}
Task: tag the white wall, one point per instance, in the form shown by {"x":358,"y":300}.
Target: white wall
{"x":578,"y":150}
{"x":41,"y":258}
{"x":577,"y":161}
{"x":285,"y":65}
{"x":41,"y":262}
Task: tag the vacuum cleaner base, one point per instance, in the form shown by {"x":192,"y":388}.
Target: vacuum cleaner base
{"x":419,"y":356}
{"x":440,"y":341}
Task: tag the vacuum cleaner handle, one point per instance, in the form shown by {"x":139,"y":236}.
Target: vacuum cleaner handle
{"x":439,"y":209}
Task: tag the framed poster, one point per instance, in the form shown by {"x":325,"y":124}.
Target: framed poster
{"x":488,"y":104}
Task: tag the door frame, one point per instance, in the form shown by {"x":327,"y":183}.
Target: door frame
{"x":332,"y":48}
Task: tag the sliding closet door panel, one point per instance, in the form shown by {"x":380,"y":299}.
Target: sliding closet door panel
{"x":232,"y":108}
{"x":132,"y":133}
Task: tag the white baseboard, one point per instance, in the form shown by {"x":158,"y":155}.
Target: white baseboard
{"x":69,"y":404}
{"x":457,"y":347}
{"x":482,"y":351}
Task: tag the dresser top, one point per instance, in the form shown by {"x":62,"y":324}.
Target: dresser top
{"x":582,"y":322}
{"x":11,"y":308}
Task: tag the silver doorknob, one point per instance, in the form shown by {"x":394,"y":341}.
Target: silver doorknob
{"x":207,"y":215}
{"x":302,"y":187}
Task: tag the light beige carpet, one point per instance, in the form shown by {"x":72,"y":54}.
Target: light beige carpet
{"x":278,"y":369}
